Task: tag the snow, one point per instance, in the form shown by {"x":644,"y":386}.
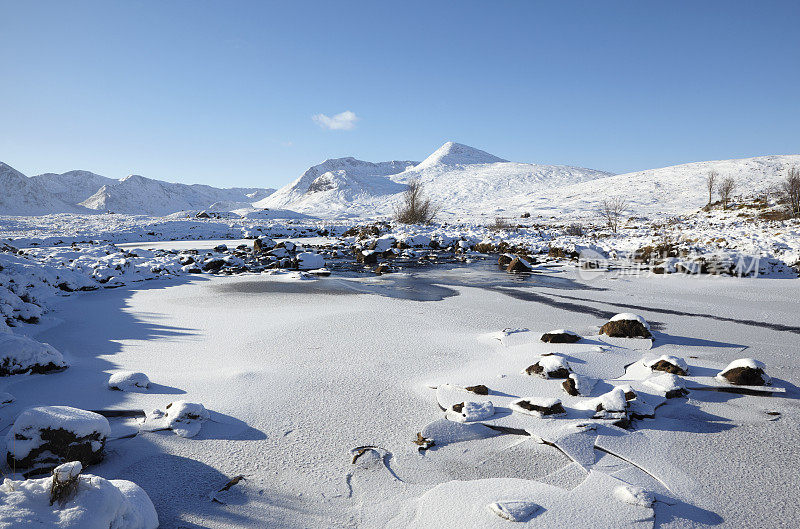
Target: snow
{"x":474,"y":411}
{"x":625,"y":316}
{"x":633,"y":495}
{"x":68,"y":471}
{"x":19,"y":354}
{"x":183,"y":418}
{"x":514,"y":511}
{"x":310,"y":261}
{"x":25,"y":435}
{"x":97,"y":504}
{"x":128,"y":381}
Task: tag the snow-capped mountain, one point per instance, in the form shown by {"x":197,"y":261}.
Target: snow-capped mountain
{"x":20,"y":195}
{"x":72,"y":187}
{"x":336,"y":184}
{"x":464,"y":180}
{"x":86,"y":192}
{"x":139,"y":195}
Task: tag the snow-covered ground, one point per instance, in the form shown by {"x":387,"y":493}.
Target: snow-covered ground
{"x":302,"y":376}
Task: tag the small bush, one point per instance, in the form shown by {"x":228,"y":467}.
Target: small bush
{"x":415,"y":208}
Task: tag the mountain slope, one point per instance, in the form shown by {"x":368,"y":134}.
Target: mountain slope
{"x":136,"y":194}
{"x":665,"y":191}
{"x":72,"y":187}
{"x":20,"y":195}
{"x":462,"y":179}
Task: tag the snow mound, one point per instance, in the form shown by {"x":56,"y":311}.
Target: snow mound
{"x":20,"y":354}
{"x":50,"y":435}
{"x":310,"y":261}
{"x":473,"y":411}
{"x":183,"y":418}
{"x":514,"y":511}
{"x":633,"y":495}
{"x":128,"y":381}
{"x":97,"y":504}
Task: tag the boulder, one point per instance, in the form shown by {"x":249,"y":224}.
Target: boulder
{"x":518,"y":264}
{"x":382,"y":268}
{"x":539,"y":406}
{"x":550,"y":366}
{"x":20,"y":354}
{"x":480,"y":389}
{"x":184,"y":418}
{"x":263,"y":244}
{"x":213,"y":265}
{"x":626,"y":326}
{"x":309,"y":261}
{"x":47,"y":436}
{"x":367,"y":257}
{"x":669,"y":364}
{"x":745,"y":372}
{"x":560,"y":336}
{"x":128,"y":381}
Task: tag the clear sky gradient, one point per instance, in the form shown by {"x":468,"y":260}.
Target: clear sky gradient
{"x":249,"y":93}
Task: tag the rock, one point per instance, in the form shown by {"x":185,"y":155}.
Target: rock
{"x":20,"y":354}
{"x":626,"y":326}
{"x":382,"y":269}
{"x":221,"y":248}
{"x":578,"y":385}
{"x":480,"y":389}
{"x":504,"y":260}
{"x":560,"y":336}
{"x":473,"y":411}
{"x":128,"y":381}
{"x":289,"y":246}
{"x":745,"y":372}
{"x":203,"y":215}
{"x":309,"y":261}
{"x":263,"y":244}
{"x":539,"y":406}
{"x":423,"y":443}
{"x":669,"y":364}
{"x":184,"y":418}
{"x":671,"y":385}
{"x":367,"y":257}
{"x":518,"y":264}
{"x":550,"y":366}
{"x":213,"y":265}
{"x":46,"y":436}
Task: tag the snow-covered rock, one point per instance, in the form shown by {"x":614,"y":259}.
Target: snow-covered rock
{"x":46,"y":436}
{"x":633,"y":495}
{"x":128,"y":381}
{"x":310,"y":261}
{"x":472,"y":411}
{"x":20,"y":354}
{"x":745,"y":372}
{"x":550,"y":366}
{"x":96,"y":504}
{"x":184,"y":418}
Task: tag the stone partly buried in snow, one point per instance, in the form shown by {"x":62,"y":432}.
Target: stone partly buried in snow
{"x":479,"y":389}
{"x":128,"y":381}
{"x":669,"y":364}
{"x":309,"y":261}
{"x":745,"y":372}
{"x":550,"y":366}
{"x":20,"y":354}
{"x":671,"y":385}
{"x":560,"y":336}
{"x":514,"y":511}
{"x":46,"y":436}
{"x":626,"y":325}
{"x":183,"y":418}
{"x":541,"y":407}
{"x":578,"y":385}
{"x":472,"y":411}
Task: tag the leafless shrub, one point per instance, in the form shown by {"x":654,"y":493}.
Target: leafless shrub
{"x":415,"y":207}
{"x":790,"y":192}
{"x":611,"y":210}
{"x":575,"y":230}
{"x":726,"y":188}
{"x":501,"y":224}
{"x":711,"y":184}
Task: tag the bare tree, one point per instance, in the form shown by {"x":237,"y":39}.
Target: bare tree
{"x":414,"y":207}
{"x":726,"y":188}
{"x":790,"y":192}
{"x":611,"y":210}
{"x":711,"y":184}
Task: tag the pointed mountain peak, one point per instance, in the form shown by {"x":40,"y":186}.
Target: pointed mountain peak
{"x":452,"y":153}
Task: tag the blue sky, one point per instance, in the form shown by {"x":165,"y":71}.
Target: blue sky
{"x":243,"y":93}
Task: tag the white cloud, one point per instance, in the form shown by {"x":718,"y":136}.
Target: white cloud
{"x":343,"y":121}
